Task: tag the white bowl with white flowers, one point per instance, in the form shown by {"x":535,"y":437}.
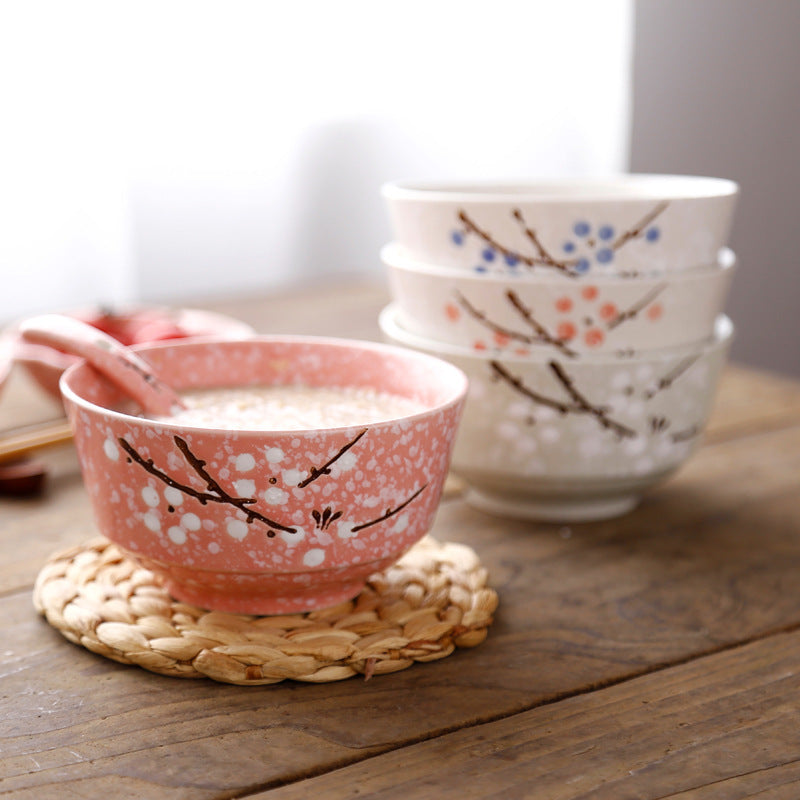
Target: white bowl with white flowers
{"x":546,"y":437}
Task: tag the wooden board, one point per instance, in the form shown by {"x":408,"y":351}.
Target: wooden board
{"x":719,"y":727}
{"x":751,"y":401}
{"x":581,"y":608}
{"x":694,"y":591}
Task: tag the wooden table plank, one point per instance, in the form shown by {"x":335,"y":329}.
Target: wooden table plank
{"x":707,"y":562}
{"x":750,"y":400}
{"x":724,"y":726}
{"x":605,"y":603}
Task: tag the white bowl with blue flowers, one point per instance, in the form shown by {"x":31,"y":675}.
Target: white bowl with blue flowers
{"x":627,"y":225}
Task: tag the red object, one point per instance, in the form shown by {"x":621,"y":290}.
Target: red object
{"x":138,"y":328}
{"x":608,"y":311}
{"x":563,"y":304}
{"x":566,"y":331}
{"x":594,"y":337}
{"x":589,"y":292}
{"x":22,"y":477}
{"x":452,"y":312}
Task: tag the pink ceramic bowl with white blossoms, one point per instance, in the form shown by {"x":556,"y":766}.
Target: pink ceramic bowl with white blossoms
{"x":258,"y":521}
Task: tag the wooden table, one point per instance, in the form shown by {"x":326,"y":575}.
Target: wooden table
{"x":652,"y":656}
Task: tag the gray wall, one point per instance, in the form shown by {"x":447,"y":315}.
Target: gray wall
{"x":717,"y":92}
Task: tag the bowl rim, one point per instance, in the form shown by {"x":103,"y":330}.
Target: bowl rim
{"x":388,"y":322}
{"x":614,"y":188}
{"x":394,"y":258}
{"x":454,"y":396}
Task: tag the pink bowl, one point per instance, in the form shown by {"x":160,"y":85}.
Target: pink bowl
{"x":267,"y":522}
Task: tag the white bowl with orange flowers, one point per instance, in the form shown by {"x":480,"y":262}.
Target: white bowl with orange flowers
{"x":518,"y":313}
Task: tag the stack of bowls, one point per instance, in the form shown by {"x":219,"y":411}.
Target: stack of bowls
{"x":588,"y":317}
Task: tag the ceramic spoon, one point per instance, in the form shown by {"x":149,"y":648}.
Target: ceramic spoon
{"x":121,"y":365}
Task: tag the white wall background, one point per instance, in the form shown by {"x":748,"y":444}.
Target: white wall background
{"x":165,"y":151}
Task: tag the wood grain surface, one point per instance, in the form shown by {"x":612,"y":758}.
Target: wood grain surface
{"x":650,"y":656}
{"x":724,"y":726}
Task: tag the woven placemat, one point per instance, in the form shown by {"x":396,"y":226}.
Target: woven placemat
{"x":420,"y":609}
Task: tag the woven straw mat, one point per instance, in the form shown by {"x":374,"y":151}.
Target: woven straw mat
{"x":420,"y":609}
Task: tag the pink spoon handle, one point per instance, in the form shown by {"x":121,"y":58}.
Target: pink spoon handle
{"x":118,"y":363}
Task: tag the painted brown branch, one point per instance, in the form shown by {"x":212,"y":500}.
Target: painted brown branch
{"x":544,"y":255}
{"x":580,"y":404}
{"x":390,"y":512}
{"x":316,"y":472}
{"x":659,"y":424}
{"x":638,"y":229}
{"x":636,"y":308}
{"x":601,"y":414}
{"x":667,"y":380}
{"x":529,"y":261}
{"x":686,"y":434}
{"x":216,"y":494}
{"x":541,"y":331}
{"x":493,"y":326}
{"x":149,"y":465}
{"x":324,"y":520}
{"x":517,"y":384}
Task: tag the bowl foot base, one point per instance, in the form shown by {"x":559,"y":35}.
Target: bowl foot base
{"x":544,"y":508}
{"x":267,"y":602}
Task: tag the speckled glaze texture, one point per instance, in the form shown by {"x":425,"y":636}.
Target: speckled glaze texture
{"x":550,"y":438}
{"x":268,"y":522}
{"x":627,"y":225}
